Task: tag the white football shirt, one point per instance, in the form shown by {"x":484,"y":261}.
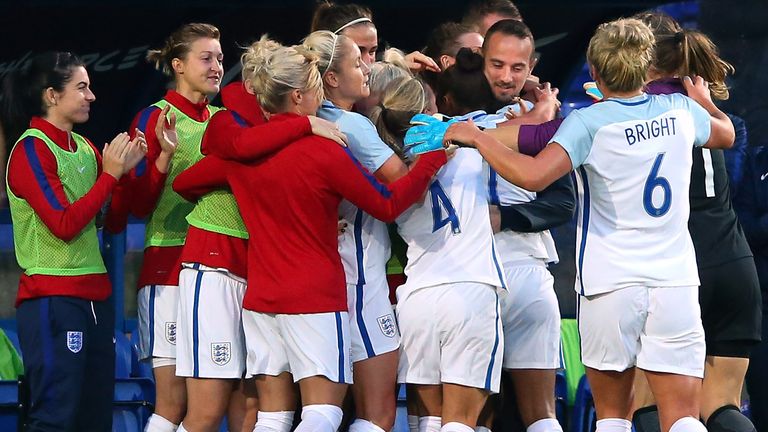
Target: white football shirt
{"x":632,"y":159}
{"x":449,"y":234}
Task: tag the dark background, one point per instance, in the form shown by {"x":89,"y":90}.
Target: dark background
{"x":113,"y":37}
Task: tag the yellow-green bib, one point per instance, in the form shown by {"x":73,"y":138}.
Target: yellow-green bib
{"x":218,"y":212}
{"x":167,"y":226}
{"x":38,"y":251}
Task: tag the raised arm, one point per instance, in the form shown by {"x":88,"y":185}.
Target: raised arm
{"x":530,"y":173}
{"x":526,"y":139}
{"x":722,"y":133}
{"x":147,"y":180}
{"x":385,"y":203}
{"x":229,"y":137}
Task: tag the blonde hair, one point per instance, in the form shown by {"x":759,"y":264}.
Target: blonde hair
{"x":328,"y":47}
{"x":275,"y":70}
{"x":391,"y":68}
{"x":621,"y":52}
{"x":401,"y":99}
{"x":179,"y":43}
{"x":684,"y":52}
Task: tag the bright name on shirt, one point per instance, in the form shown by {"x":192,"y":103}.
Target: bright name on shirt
{"x":650,"y":129}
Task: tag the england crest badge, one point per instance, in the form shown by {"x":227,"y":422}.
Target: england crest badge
{"x":170,"y":332}
{"x":387,"y":325}
{"x":75,"y":341}
{"x":221,"y":353}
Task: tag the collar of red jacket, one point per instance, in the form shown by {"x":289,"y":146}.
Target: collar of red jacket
{"x":55,"y":134}
{"x":195,"y":111}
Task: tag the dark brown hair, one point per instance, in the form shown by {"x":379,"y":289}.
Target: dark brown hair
{"x":22,"y":90}
{"x":682,"y":52}
{"x":465,"y":82}
{"x":331,"y":16}
{"x":509,"y":27}
{"x":479,"y":9}
{"x":179,"y":43}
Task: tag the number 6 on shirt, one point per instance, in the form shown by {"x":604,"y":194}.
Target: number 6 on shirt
{"x":441,"y":204}
{"x":654,"y":181}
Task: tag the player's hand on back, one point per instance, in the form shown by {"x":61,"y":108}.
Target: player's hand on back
{"x":462,"y":133}
{"x":426,"y":134}
{"x":326,"y":129}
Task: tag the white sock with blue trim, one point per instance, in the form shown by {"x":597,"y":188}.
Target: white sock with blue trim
{"x":181,"y":428}
{"x":320,"y":418}
{"x":158,"y":423}
{"x":274,"y":421}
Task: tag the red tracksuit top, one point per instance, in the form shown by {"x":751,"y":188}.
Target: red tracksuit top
{"x":231,"y":135}
{"x":289,"y":202}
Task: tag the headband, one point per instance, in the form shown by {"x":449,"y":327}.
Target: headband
{"x":333,"y":52}
{"x":353,"y":22}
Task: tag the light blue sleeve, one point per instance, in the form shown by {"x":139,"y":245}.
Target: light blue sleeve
{"x":702,"y":122}
{"x":574,"y":136}
{"x":364,"y":141}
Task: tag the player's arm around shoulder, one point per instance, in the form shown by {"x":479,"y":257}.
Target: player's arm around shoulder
{"x":207,"y":175}
{"x":219,"y":134}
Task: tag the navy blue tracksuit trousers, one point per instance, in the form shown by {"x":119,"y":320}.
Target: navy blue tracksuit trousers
{"x":69,"y":362}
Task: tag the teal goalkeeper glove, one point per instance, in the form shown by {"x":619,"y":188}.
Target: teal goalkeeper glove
{"x":426,"y":135}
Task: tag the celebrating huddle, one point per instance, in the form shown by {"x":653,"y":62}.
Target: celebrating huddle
{"x":264,"y":282}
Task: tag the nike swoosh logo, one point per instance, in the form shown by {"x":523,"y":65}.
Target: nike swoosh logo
{"x":763,"y":177}
{"x":81,"y":169}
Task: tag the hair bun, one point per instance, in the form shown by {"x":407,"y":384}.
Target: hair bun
{"x":468,"y":60}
